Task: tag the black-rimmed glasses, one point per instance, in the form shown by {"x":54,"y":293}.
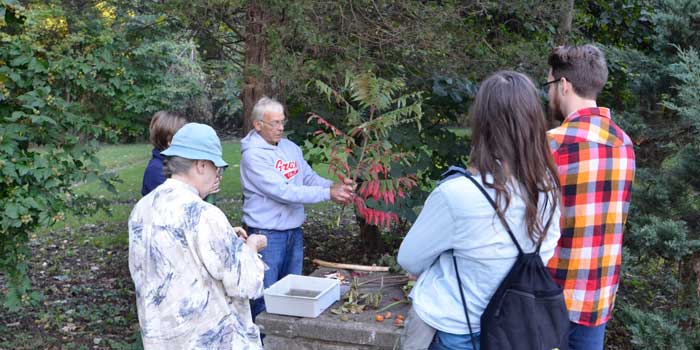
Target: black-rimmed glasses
{"x":551,"y":82}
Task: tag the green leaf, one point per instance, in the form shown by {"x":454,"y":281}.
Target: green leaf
{"x":31,"y":203}
{"x":20,"y":61}
{"x":12,"y":302}
{"x":12,"y":211}
{"x":17,"y":115}
{"x":40,"y":119}
{"x":23,"y":170}
{"x":37,"y":65}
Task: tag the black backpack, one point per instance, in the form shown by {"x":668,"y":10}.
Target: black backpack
{"x":527,"y":311}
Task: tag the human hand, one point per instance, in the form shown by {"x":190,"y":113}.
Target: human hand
{"x":256,"y":242}
{"x":240,"y":232}
{"x":350,"y":184}
{"x":216,"y":187}
{"x":341,"y":193}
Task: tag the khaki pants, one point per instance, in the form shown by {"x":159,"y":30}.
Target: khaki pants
{"x":416,"y":335}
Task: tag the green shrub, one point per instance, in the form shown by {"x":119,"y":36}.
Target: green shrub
{"x":44,"y":149}
{"x":66,"y":81}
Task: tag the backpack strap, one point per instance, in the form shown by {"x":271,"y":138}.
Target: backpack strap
{"x":464,"y":302}
{"x":452,"y":172}
{"x":500,"y":216}
{"x":546,"y":226}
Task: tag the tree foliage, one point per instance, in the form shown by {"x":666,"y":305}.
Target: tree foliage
{"x":67,"y":82}
{"x":365,"y":154}
{"x":42,"y":155}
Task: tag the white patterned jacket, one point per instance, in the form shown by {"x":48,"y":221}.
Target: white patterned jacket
{"x":193,"y":276}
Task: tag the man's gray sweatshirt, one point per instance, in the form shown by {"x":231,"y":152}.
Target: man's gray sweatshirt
{"x":277,"y":182}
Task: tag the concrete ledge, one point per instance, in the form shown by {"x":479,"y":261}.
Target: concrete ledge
{"x":328,"y":331}
{"x":274,"y":342}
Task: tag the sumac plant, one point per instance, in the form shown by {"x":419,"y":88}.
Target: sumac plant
{"x":372,"y":106}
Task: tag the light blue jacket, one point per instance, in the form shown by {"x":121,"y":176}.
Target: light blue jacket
{"x":457,"y":216}
{"x":277,"y":182}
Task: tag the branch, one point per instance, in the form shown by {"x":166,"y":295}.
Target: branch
{"x":350,"y":266}
{"x":232,"y":26}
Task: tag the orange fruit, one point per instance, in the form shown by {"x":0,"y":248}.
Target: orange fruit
{"x":379,"y":318}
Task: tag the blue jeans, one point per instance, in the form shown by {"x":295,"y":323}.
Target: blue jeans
{"x":586,"y":338}
{"x":449,"y":341}
{"x":283,"y":255}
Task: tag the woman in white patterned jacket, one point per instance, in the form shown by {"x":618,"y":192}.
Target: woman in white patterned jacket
{"x":193,"y":275}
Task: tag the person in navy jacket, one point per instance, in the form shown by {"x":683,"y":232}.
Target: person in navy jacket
{"x":164,"y":125}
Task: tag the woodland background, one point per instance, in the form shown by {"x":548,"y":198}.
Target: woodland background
{"x":79,"y":76}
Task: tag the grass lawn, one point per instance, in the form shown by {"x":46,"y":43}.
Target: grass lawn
{"x":129,"y":163}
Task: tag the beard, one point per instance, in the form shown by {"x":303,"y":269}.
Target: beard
{"x":555,"y":113}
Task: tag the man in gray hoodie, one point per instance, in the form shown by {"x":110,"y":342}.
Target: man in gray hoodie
{"x":277,"y":182}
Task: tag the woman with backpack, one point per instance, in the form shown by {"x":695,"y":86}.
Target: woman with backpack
{"x":460,"y":239}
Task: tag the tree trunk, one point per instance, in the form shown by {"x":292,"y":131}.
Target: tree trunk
{"x":371,"y":236}
{"x":695,"y":263}
{"x":566,"y":16}
{"x":256,"y":81}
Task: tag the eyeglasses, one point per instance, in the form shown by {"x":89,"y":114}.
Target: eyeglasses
{"x":219,"y":170}
{"x":276,"y":123}
{"x":551,"y":82}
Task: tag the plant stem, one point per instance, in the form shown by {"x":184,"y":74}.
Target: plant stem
{"x":363,"y":150}
{"x":389,"y":306}
{"x":391,"y":279}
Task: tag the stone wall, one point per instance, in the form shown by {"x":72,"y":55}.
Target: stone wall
{"x":330,"y":332}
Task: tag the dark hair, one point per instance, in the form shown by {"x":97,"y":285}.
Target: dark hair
{"x":509,"y":142}
{"x":583,"y":66}
{"x":164,"y":125}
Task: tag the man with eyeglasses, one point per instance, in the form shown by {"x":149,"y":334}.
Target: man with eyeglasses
{"x":192,"y":274}
{"x":596,"y":166}
{"x":277,"y":182}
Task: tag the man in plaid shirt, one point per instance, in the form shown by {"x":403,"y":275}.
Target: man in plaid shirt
{"x":596,"y":167}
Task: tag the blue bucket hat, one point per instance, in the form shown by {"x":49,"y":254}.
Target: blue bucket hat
{"x":198,"y":142}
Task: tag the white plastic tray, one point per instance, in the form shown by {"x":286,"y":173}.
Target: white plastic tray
{"x":303,"y":296}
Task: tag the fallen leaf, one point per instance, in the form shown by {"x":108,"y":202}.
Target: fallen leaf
{"x":70,"y":327}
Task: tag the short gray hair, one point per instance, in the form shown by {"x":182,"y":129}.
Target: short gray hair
{"x":177,"y":165}
{"x":265,"y":104}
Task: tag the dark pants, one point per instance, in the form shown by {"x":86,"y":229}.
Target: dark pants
{"x":586,"y":338}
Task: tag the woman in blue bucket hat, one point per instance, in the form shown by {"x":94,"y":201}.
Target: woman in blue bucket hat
{"x":193,"y":275}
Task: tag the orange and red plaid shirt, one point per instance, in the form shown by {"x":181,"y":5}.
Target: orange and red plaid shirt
{"x":596,"y":168}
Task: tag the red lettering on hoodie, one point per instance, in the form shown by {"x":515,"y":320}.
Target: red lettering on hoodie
{"x":288,"y":169}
